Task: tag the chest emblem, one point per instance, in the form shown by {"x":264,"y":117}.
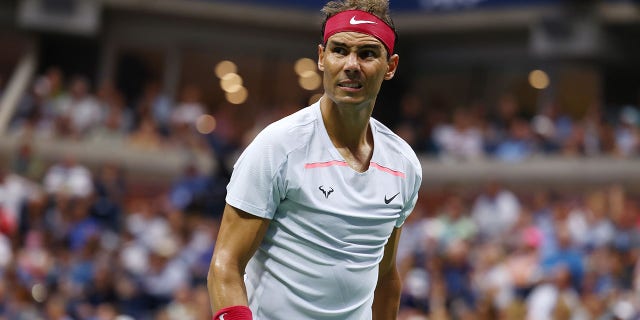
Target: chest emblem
{"x":388,"y":200}
{"x":326,"y":192}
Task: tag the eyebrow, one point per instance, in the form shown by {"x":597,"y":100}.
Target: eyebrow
{"x":365,"y":46}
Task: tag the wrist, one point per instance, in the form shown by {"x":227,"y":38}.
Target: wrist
{"x":234,"y":313}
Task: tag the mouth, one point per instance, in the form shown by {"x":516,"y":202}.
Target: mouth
{"x":352,"y":85}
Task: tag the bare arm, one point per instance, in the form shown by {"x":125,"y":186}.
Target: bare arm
{"x":386,"y":301}
{"x":239,"y":237}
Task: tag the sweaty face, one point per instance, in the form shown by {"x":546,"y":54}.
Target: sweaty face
{"x":354,"y":66}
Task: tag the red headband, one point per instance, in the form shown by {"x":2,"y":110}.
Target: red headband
{"x":362,"y":22}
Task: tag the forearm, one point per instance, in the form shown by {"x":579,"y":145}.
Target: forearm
{"x":226,"y":287}
{"x":386,"y":301}
{"x":239,"y":236}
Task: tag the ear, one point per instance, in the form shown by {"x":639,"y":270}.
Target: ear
{"x":320,"y":57}
{"x":392,"y":67}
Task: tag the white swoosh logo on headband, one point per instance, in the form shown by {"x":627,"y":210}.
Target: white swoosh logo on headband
{"x":354,"y":21}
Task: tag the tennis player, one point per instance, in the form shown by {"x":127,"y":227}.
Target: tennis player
{"x":316,"y":202}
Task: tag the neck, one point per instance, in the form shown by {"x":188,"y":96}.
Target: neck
{"x":349,"y":131}
{"x":347,"y":126}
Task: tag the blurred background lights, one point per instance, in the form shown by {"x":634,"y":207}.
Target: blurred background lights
{"x":538,"y":79}
{"x":206,"y":124}
{"x":310,"y":80}
{"x":303,"y":65}
{"x":238,"y":97}
{"x":39,"y":292}
{"x":225,"y":67}
{"x":230,"y":82}
{"x":233,"y":88}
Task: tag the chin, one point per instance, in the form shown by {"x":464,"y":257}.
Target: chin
{"x":352,"y":102}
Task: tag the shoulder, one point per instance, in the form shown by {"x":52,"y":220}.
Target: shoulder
{"x":394,"y":144}
{"x":288,"y":133}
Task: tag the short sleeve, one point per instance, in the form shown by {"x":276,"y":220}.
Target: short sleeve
{"x":256,"y":184}
{"x":410,"y":203}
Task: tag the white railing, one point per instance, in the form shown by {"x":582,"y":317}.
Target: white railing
{"x":17,"y":85}
{"x":553,"y":172}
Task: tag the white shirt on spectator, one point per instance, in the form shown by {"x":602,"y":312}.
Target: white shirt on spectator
{"x":75,"y":180}
{"x":459,"y":144}
{"x":84,"y":113}
{"x":6,"y":253}
{"x":15,"y":189}
{"x":186,"y":113}
{"x":496,"y":215}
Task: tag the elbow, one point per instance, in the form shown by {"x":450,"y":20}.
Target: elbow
{"x":211,"y":275}
{"x":217,"y":269}
{"x":222,"y":269}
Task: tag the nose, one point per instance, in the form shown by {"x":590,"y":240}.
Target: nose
{"x":352,"y":64}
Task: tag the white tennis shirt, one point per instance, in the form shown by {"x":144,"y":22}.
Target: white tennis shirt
{"x":329,"y":223}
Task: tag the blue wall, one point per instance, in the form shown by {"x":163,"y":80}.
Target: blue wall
{"x":414,"y":5}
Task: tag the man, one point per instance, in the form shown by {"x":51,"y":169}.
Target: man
{"x":316,"y":202}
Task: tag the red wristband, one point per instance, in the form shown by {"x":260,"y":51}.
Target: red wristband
{"x":234,"y":313}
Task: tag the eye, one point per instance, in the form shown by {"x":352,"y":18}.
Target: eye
{"x":339,"y":50}
{"x":368,"y":54}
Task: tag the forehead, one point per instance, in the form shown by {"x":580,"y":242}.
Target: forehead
{"x":352,"y":38}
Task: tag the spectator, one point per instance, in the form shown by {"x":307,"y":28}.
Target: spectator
{"x":556,"y":300}
{"x":492,"y":281}
{"x":82,"y":227}
{"x":6,"y":260}
{"x":68,"y":178}
{"x":507,"y":109}
{"x":184,"y":117}
{"x":190,"y":190}
{"x":146,"y":222}
{"x":110,"y":192}
{"x":81,"y":109}
{"x":100,"y":292}
{"x":599,"y":230}
{"x":562,"y":129}
{"x":199,"y":242}
{"x":34,"y":260}
{"x":15,"y":192}
{"x":627,"y":132}
{"x":495,"y":210}
{"x":166,"y":273}
{"x":117,"y":119}
{"x":460,"y":140}
{"x":182,"y":307}
{"x":453,"y":223}
{"x":523,"y":262}
{"x":593,"y":124}
{"x":27,"y":163}
{"x":566,"y":256}
{"x":146,"y":137}
{"x":133,"y":255}
{"x":56,"y":308}
{"x":518,"y":144}
{"x":188,"y":109}
{"x":157,"y":105}
{"x":456,"y":272}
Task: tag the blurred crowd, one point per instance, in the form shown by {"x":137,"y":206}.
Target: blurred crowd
{"x":81,"y":243}
{"x":506,"y":131}
{"x":77,"y":245}
{"x":503,"y":130}
{"x":60,"y":106}
{"x":500,"y":254}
